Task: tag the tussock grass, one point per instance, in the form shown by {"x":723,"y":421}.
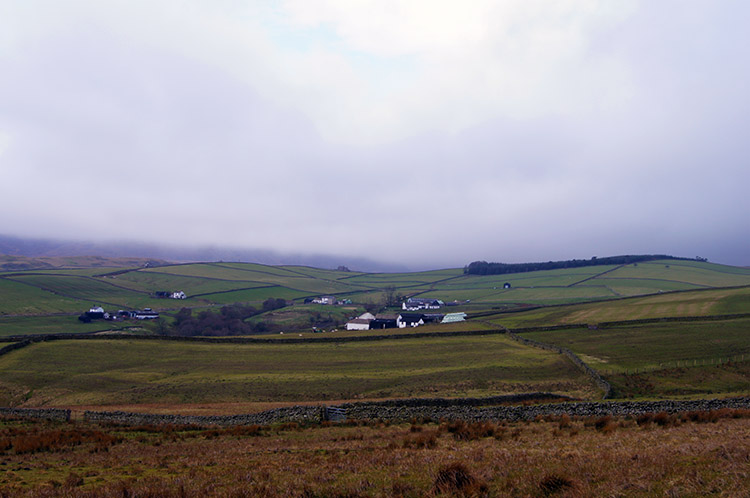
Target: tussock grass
{"x":693,"y":454}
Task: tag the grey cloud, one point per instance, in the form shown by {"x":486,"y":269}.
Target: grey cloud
{"x":130,"y":135}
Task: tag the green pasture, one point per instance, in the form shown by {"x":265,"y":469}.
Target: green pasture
{"x":66,"y":324}
{"x":690,"y":303}
{"x":651,"y":346}
{"x":401,"y":279}
{"x":21,"y":298}
{"x":292,"y":280}
{"x":79,"y":272}
{"x":221,"y":271}
{"x":674,"y":271}
{"x":537,"y":295}
{"x":725,"y":379}
{"x":557,"y":278}
{"x":625,"y":287}
{"x":56,"y":291}
{"x":320,"y":273}
{"x":253,"y":296}
{"x":131,"y":371}
{"x":279,"y":271}
{"x":91,"y":290}
{"x":151,"y":282}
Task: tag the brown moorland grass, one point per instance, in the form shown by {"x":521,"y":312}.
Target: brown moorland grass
{"x":695,"y":454}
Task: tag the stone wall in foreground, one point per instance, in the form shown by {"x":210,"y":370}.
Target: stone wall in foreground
{"x":299,"y":414}
{"x":40,"y":413}
{"x":438,"y":410}
{"x":515,"y":413}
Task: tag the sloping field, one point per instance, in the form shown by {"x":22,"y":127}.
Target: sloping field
{"x":207,"y":284}
{"x":153,"y":281}
{"x":648,"y":346}
{"x":665,"y":359}
{"x":88,"y":289}
{"x":585,"y":284}
{"x":23,"y":299}
{"x":691,"y":303}
{"x":130,"y":371}
{"x":292,"y":280}
{"x":558,"y":278}
{"x":67,"y":324}
{"x":253,"y":295}
{"x":688,"y":273}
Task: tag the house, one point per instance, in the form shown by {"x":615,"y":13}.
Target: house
{"x":325,"y":300}
{"x":454,"y":317}
{"x":178,"y":295}
{"x":367,"y":316}
{"x":358,"y":324}
{"x":418,"y":303}
{"x":95,"y":312}
{"x":146,"y":314}
{"x":409,"y":320}
{"x":384,"y":321}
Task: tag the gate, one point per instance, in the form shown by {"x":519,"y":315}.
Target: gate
{"x":335,"y":414}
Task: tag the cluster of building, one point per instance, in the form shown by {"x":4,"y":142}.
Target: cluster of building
{"x":328,"y":300}
{"x":368,"y":321}
{"x":98,"y":313}
{"x":418,"y":303}
{"x":169,"y":295}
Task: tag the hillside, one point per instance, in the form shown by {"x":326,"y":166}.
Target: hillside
{"x":666,"y":328}
{"x":54,"y":294}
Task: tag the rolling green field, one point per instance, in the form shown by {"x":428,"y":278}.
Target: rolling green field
{"x":50,"y":291}
{"x":700,"y":357}
{"x":129,"y":371}
{"x":102,"y":372}
{"x":692,"y":303}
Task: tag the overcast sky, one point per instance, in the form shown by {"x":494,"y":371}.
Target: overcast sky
{"x":424,"y":132}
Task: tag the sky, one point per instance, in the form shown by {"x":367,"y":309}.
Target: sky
{"x":427,"y":133}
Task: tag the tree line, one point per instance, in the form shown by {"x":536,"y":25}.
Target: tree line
{"x":485,"y":268}
{"x":230,"y":320}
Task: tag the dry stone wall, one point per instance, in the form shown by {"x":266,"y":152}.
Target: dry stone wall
{"x":516,"y":413}
{"x":299,"y":414}
{"x":38,"y":413}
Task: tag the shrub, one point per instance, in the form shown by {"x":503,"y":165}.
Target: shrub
{"x":456,"y":480}
{"x":472,"y":431}
{"x":564,"y":422}
{"x":426,"y":439}
{"x":602,"y":422}
{"x":553,"y":483}
{"x":664,"y":419}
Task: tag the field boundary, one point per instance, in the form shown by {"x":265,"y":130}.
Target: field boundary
{"x":415,"y":335}
{"x":243,"y":340}
{"x":403,"y":413}
{"x":598,"y":380}
{"x":533,"y":307}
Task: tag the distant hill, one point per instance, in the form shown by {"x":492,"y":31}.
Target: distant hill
{"x":45,"y":248}
{"x":25,"y":263}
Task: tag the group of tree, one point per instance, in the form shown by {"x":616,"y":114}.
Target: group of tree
{"x":230,"y":320}
{"x":485,"y":268}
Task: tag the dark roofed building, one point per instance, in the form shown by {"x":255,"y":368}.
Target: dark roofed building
{"x":410,"y":320}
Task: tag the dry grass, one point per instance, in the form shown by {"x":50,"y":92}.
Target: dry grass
{"x":692,"y":454}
